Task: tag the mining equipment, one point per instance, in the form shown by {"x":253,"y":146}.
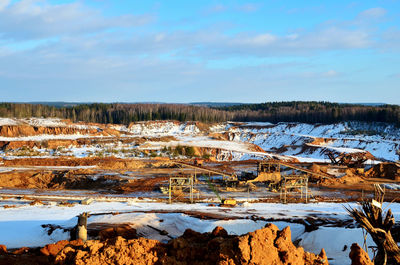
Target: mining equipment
{"x":187,"y":183}
{"x":351,"y":160}
{"x":179,"y":186}
{"x":228,"y":202}
{"x":269,"y":172}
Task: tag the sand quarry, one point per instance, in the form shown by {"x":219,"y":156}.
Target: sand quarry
{"x":51,"y":171}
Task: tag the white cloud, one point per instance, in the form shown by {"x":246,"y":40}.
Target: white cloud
{"x":397,"y":75}
{"x":218,"y":8}
{"x":376,"y":12}
{"x":318,"y":74}
{"x":330,"y":73}
{"x":246,"y":8}
{"x":29,"y":19}
{"x":334,"y":38}
{"x":213,"y":45}
{"x":391,"y":39}
{"x":85,"y":54}
{"x":249,"y":7}
{"x":4,"y":4}
{"x":255,"y":40}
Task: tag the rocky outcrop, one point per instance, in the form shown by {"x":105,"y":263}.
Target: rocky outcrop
{"x":27,"y":130}
{"x":3,"y":249}
{"x":54,"y":249}
{"x":104,"y":163}
{"x":264,"y":246}
{"x":10,"y":145}
{"x":358,"y":256}
{"x":113,"y":251}
{"x":385,"y":170}
{"x":66,"y":179}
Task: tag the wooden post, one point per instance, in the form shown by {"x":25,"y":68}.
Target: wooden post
{"x":169,"y":192}
{"x":81,"y":232}
{"x":191,"y":189}
{"x":307,"y":190}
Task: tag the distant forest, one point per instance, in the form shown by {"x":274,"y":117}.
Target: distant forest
{"x":314,"y":112}
{"x":295,"y":111}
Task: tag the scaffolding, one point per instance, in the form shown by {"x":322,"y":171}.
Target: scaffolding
{"x":179,"y":188}
{"x":294,"y":183}
{"x":268,"y":167}
{"x":200,"y":168}
{"x":273,"y":166}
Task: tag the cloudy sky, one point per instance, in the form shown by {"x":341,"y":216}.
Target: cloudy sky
{"x":200,"y":50}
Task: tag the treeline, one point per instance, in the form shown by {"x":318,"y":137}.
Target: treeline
{"x":314,"y":112}
{"x":296,"y":111}
{"x":116,"y":113}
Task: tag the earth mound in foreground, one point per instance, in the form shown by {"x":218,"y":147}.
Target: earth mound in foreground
{"x":268,"y":245}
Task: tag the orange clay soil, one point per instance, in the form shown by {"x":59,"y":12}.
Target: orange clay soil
{"x":268,"y":245}
{"x":103,"y":163}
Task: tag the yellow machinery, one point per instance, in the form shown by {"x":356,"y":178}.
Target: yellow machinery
{"x":228,"y":202}
{"x":267,"y":172}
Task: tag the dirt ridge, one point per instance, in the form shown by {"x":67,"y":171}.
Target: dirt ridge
{"x":268,"y":245}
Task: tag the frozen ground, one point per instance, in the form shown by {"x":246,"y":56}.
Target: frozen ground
{"x":43,"y":122}
{"x":381,"y":140}
{"x":306,"y":142}
{"x":21,"y":226}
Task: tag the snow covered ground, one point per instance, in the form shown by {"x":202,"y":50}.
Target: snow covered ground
{"x":22,"y":225}
{"x":43,"y":122}
{"x":161,"y":128}
{"x":306,"y":142}
{"x":382,"y":141}
{"x":44,"y":137}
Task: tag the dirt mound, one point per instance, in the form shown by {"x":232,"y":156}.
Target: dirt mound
{"x":104,"y":163}
{"x":54,"y":249}
{"x":78,"y":179}
{"x":256,"y":148}
{"x":113,"y":251}
{"x":142,"y":185}
{"x":9,"y":145}
{"x":264,"y":246}
{"x":321,"y":141}
{"x":219,"y":136}
{"x":124,"y":230}
{"x":358,"y":256}
{"x":55,"y":143}
{"x":58,"y":180}
{"x":352,"y":176}
{"x":318,"y":168}
{"x":26,"y":179}
{"x":27,"y":130}
{"x":3,"y":249}
{"x":385,"y":170}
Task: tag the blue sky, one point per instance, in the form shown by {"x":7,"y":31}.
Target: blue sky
{"x":187,"y":51}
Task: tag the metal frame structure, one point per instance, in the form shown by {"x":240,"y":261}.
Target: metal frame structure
{"x":183,"y":184}
{"x":294,"y":182}
{"x":209,"y":171}
{"x":278,"y":164}
{"x":268,"y":167}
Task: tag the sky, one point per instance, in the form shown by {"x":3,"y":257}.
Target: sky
{"x":204,"y":50}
